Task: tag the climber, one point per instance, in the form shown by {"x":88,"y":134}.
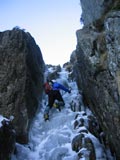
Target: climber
{"x":52,"y":90}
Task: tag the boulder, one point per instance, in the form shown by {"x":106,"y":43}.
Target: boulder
{"x":21,"y":79}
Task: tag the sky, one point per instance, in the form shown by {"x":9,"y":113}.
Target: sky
{"x":52,"y":23}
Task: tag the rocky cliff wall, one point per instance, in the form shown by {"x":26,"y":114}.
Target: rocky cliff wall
{"x":94,"y":9}
{"x":97,"y":68}
{"x":21,"y":79}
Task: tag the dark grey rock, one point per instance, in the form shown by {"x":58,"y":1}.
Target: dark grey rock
{"x":97,"y":71}
{"x":21,"y":79}
{"x":7,"y":140}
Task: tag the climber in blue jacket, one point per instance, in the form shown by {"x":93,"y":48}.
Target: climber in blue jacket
{"x":54,"y":94}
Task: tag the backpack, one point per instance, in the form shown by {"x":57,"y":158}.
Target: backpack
{"x":47,"y":87}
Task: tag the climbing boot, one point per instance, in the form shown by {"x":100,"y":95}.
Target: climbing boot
{"x":46,"y":117}
{"x":57,"y":106}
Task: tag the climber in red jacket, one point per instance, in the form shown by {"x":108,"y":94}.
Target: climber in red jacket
{"x":52,"y":89}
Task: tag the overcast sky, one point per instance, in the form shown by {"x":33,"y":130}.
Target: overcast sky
{"x":52,"y":23}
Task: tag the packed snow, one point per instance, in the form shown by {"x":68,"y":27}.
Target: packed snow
{"x":51,"y":140}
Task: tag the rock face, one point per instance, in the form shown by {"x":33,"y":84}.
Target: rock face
{"x":93,"y":9}
{"x":7,"y":140}
{"x":21,"y":79}
{"x":96,"y":67}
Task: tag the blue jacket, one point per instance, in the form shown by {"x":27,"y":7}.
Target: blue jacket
{"x":57,"y":86}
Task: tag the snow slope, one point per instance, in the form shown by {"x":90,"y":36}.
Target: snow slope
{"x":51,"y":140}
